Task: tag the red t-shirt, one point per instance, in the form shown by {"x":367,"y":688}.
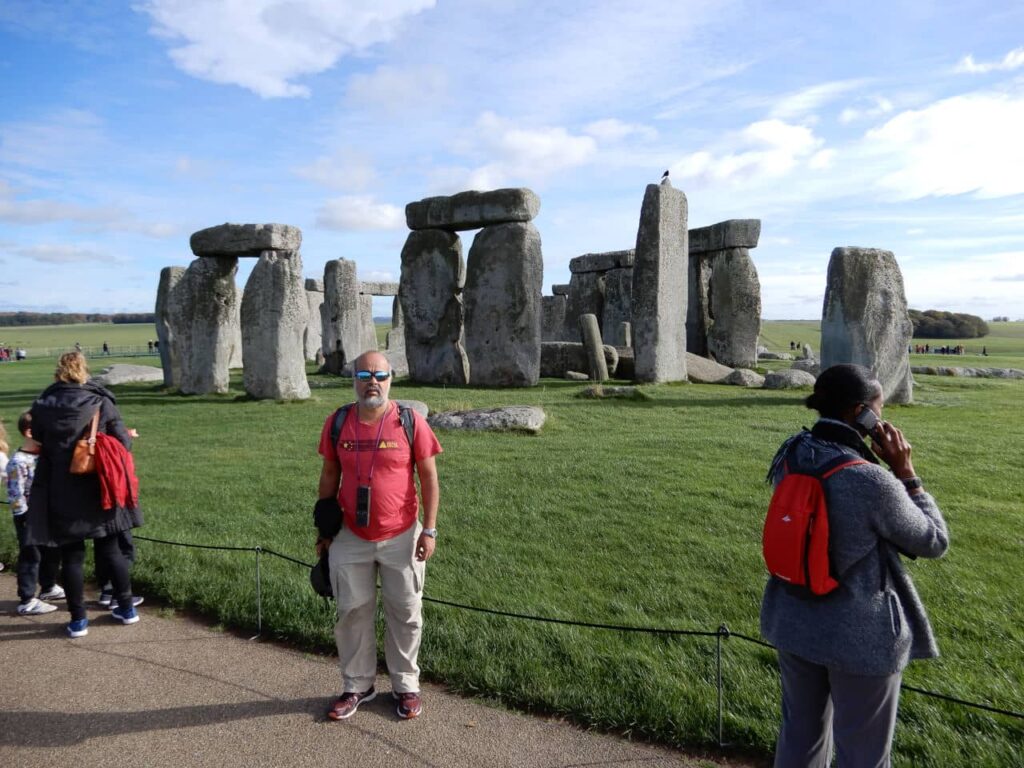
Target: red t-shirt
{"x":394,"y":505}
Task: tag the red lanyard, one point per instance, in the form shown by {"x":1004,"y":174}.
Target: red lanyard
{"x":376,"y":445}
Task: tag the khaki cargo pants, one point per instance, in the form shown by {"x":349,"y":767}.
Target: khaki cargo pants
{"x":355,"y":564}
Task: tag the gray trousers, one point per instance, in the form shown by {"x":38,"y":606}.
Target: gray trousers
{"x":822,"y":705}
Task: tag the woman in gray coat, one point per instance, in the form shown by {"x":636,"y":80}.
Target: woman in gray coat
{"x":842,"y":655}
{"x":65,"y":509}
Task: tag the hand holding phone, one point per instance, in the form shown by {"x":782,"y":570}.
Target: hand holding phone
{"x":867,"y":421}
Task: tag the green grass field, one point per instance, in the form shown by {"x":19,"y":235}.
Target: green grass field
{"x":642,"y":513}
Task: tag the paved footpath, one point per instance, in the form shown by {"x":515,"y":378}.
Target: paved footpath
{"x":171,"y":691}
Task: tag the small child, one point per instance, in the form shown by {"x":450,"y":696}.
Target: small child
{"x":36,"y":565}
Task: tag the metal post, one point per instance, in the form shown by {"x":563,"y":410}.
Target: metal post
{"x":259,"y":596}
{"x":723,"y":631}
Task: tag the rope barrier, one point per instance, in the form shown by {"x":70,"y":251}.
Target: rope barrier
{"x":722,"y":633}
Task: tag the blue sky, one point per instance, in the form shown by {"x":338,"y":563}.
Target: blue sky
{"x":126,"y":126}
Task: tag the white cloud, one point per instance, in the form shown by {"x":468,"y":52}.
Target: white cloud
{"x":50,"y":253}
{"x":263,"y":45}
{"x":881,"y":106}
{"x":964,"y":144}
{"x":359,"y":213}
{"x":1013,"y":60}
{"x":60,"y":140}
{"x":346,"y":169}
{"x":807,"y":100}
{"x":613,"y":129}
{"x":392,"y":90}
{"x":767,"y":149}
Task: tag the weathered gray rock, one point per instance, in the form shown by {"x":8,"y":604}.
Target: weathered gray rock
{"x":618,"y":304}
{"x":397,"y":360}
{"x":590,"y":332}
{"x":203,"y":312}
{"x":698,"y":309}
{"x":559,"y":357}
{"x":602,"y":262}
{"x":806,"y":352}
{"x":788,"y":379}
{"x":808,"y":364}
{"x":701,"y":370}
{"x":169,"y":278}
{"x":735,"y":309}
{"x":744,"y":377}
{"x":576,"y":376}
{"x":245,"y":239}
{"x":342,"y":317}
{"x":417,"y":405}
{"x":113,"y":375}
{"x":504,"y":276}
{"x":981,"y":373}
{"x":865,"y":319}
{"x":511,"y":418}
{"x":275,"y":313}
{"x":312,"y":337}
{"x":472,"y":210}
{"x":660,"y":286}
{"x":734,"y":233}
{"x":397,"y":318}
{"x":560,"y":289}
{"x":586,"y":297}
{"x":313,"y":284}
{"x":368,"y":333}
{"x":552,"y":324}
{"x":775,"y":355}
{"x":235,"y":360}
{"x":624,"y":338}
{"x":378,"y":289}
{"x":430,"y":291}
{"x":602,"y":391}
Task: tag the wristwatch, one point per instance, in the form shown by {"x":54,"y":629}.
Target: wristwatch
{"x":912,"y":483}
{"x":431,"y":532}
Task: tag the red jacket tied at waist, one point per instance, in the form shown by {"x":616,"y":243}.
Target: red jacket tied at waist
{"x":115,"y":467}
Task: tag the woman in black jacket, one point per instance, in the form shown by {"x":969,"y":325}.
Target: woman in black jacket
{"x":65,"y":509}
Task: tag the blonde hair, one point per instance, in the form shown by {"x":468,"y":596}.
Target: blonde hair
{"x":72,"y":368}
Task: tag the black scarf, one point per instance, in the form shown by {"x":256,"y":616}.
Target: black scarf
{"x":845,"y":435}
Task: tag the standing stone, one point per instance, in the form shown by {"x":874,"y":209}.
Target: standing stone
{"x":618,"y":303}
{"x":342,"y":315}
{"x":397,"y":318}
{"x":625,"y":338}
{"x":203,"y":311}
{"x":659,"y":286}
{"x":865,"y":319}
{"x":169,"y":279}
{"x":735,"y":308}
{"x":590,"y":332}
{"x":586,"y":297}
{"x":235,"y":359}
{"x":312,"y":338}
{"x":698,"y":311}
{"x":430,"y":290}
{"x":504,"y":276}
{"x":275,"y":313}
{"x":552,"y":317}
{"x":368,"y":333}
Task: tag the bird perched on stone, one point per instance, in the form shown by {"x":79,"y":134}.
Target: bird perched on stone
{"x":664,"y":178}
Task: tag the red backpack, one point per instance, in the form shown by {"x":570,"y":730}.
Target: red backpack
{"x":795,"y":539}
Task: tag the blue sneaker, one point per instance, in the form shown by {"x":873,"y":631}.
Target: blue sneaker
{"x":79,"y":628}
{"x":125,"y":615}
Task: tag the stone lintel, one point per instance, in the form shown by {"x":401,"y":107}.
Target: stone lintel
{"x":245,"y":239}
{"x":378,"y":289}
{"x":560,"y":289}
{"x":473,"y":209}
{"x":734,"y":233}
{"x":602,"y":262}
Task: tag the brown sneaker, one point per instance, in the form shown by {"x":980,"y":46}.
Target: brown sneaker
{"x":409,"y":705}
{"x":346,"y":705}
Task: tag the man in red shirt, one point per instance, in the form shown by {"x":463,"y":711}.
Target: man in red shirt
{"x":370,"y":471}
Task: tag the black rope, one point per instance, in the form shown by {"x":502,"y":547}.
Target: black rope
{"x":722,"y":631}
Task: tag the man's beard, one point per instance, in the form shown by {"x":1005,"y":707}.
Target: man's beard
{"x":373,"y":401}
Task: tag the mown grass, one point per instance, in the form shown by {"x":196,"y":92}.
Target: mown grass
{"x":637,"y":512}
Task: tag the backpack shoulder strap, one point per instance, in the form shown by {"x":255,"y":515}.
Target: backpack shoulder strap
{"x":835,"y":465}
{"x":405,"y":416}
{"x":339,"y":419}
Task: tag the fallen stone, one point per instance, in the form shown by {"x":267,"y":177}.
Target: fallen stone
{"x":810,"y":365}
{"x":734,"y":233}
{"x":744,"y":377}
{"x":701,"y":370}
{"x":245,"y":239}
{"x":511,"y":418}
{"x":113,"y":375}
{"x":766,"y":355}
{"x":417,"y":405}
{"x":982,"y":373}
{"x":473,"y":210}
{"x":576,"y":376}
{"x":602,"y":391}
{"x":379,"y":289}
{"x":788,"y":379}
{"x":602,"y":262}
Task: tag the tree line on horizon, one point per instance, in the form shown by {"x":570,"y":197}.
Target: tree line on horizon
{"x":936,"y":324}
{"x":14,"y":319}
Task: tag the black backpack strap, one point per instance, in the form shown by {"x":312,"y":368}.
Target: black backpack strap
{"x":339,"y":419}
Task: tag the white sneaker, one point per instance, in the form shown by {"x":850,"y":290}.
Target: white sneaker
{"x":56,"y":592}
{"x":35,"y":607}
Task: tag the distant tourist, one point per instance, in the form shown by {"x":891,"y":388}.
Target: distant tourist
{"x":106,"y":349}
{"x":21,"y":353}
{"x":841,"y":655}
{"x":78,"y":347}
{"x":149,"y":345}
{"x":984,"y":351}
{"x":367,"y":517}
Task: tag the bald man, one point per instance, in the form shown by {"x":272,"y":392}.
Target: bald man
{"x":369,"y":469}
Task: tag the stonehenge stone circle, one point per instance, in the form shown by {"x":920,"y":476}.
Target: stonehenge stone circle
{"x":275,"y":315}
{"x":735,"y":299}
{"x":203,"y":312}
{"x":343,"y":328}
{"x":504,"y":277}
{"x":473,"y":210}
{"x":865,"y":319}
{"x":245,"y":239}
{"x":169,"y":278}
{"x":660,"y":286}
{"x":430,"y":291}
{"x":788,"y":378}
{"x":590,"y":332}
{"x":312,"y":338}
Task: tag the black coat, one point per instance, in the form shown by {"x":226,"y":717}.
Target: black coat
{"x":63,"y":507}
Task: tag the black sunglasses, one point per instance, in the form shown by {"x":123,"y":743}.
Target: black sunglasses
{"x":378,"y":375}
